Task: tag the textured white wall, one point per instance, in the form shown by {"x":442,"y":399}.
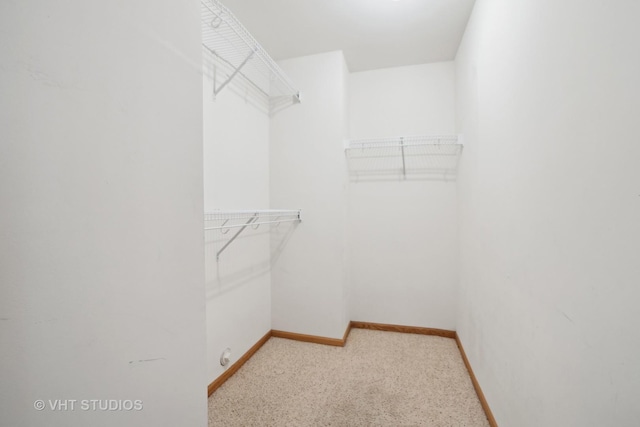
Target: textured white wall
{"x":548,"y":102}
{"x":346,"y":290}
{"x":101,"y":253}
{"x":307,"y":170}
{"x":403,"y":233}
{"x":236,"y":176}
{"x":413,"y":100}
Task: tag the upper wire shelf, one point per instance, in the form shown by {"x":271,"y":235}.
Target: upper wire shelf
{"x":426,"y":155}
{"x":239,"y":53}
{"x":436,"y":141}
{"x":241,"y":219}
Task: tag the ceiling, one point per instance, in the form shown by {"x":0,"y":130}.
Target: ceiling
{"x":371,"y":33}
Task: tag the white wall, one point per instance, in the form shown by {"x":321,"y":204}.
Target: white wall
{"x":236,"y":176}
{"x":101,"y":253}
{"x":403,"y":233}
{"x":413,"y":100}
{"x":307,"y":170}
{"x":548,"y":102}
{"x":346,"y":119}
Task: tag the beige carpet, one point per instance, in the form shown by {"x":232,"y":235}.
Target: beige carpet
{"x":377,"y":379}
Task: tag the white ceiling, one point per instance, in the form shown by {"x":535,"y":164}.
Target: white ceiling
{"x":372,"y":33}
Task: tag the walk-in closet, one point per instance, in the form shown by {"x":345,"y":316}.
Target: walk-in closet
{"x":319,"y":213}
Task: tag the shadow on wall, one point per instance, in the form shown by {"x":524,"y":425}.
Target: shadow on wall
{"x":248,"y":258}
{"x":280,"y":103}
{"x":280,"y":235}
{"x":220,"y":72}
{"x":243,"y":261}
{"x":411,"y":163}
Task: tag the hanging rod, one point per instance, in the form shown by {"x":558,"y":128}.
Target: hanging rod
{"x":224,"y":227}
{"x":225,"y":37}
{"x":253,"y":218}
{"x":243,"y":214}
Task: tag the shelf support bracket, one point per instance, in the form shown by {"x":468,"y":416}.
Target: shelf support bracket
{"x":251,"y":220}
{"x":236,"y":71}
{"x":223,"y":224}
{"x":404,"y":168}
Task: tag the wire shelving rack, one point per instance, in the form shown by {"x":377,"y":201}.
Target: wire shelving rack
{"x":238,"y":53}
{"x":404,"y":155}
{"x":225,"y":220}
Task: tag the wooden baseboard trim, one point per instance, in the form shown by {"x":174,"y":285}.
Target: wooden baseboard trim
{"x":404,"y":329}
{"x":476,"y":385}
{"x":346,"y":334}
{"x":337,"y":342}
{"x":279,"y":334}
{"x":234,"y":368}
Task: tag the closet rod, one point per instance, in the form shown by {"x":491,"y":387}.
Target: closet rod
{"x":222,"y":227}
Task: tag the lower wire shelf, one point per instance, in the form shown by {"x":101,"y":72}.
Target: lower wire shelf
{"x":224,"y":220}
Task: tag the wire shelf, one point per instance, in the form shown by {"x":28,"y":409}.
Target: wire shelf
{"x":238,"y":53}
{"x":223,"y":221}
{"x":230,"y":217}
{"x":406,"y":141}
{"x":427,"y":156}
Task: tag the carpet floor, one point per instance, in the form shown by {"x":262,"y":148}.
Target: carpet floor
{"x":376,"y":379}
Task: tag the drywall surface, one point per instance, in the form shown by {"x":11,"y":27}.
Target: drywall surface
{"x":548,"y":102}
{"x":307,"y":170}
{"x":413,"y":100}
{"x":403,"y":232}
{"x":101,"y":253}
{"x":346,"y":289}
{"x":236,"y":176}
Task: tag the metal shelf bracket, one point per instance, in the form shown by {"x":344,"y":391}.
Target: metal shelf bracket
{"x":236,"y":71}
{"x":251,"y":220}
{"x":404,"y":165}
